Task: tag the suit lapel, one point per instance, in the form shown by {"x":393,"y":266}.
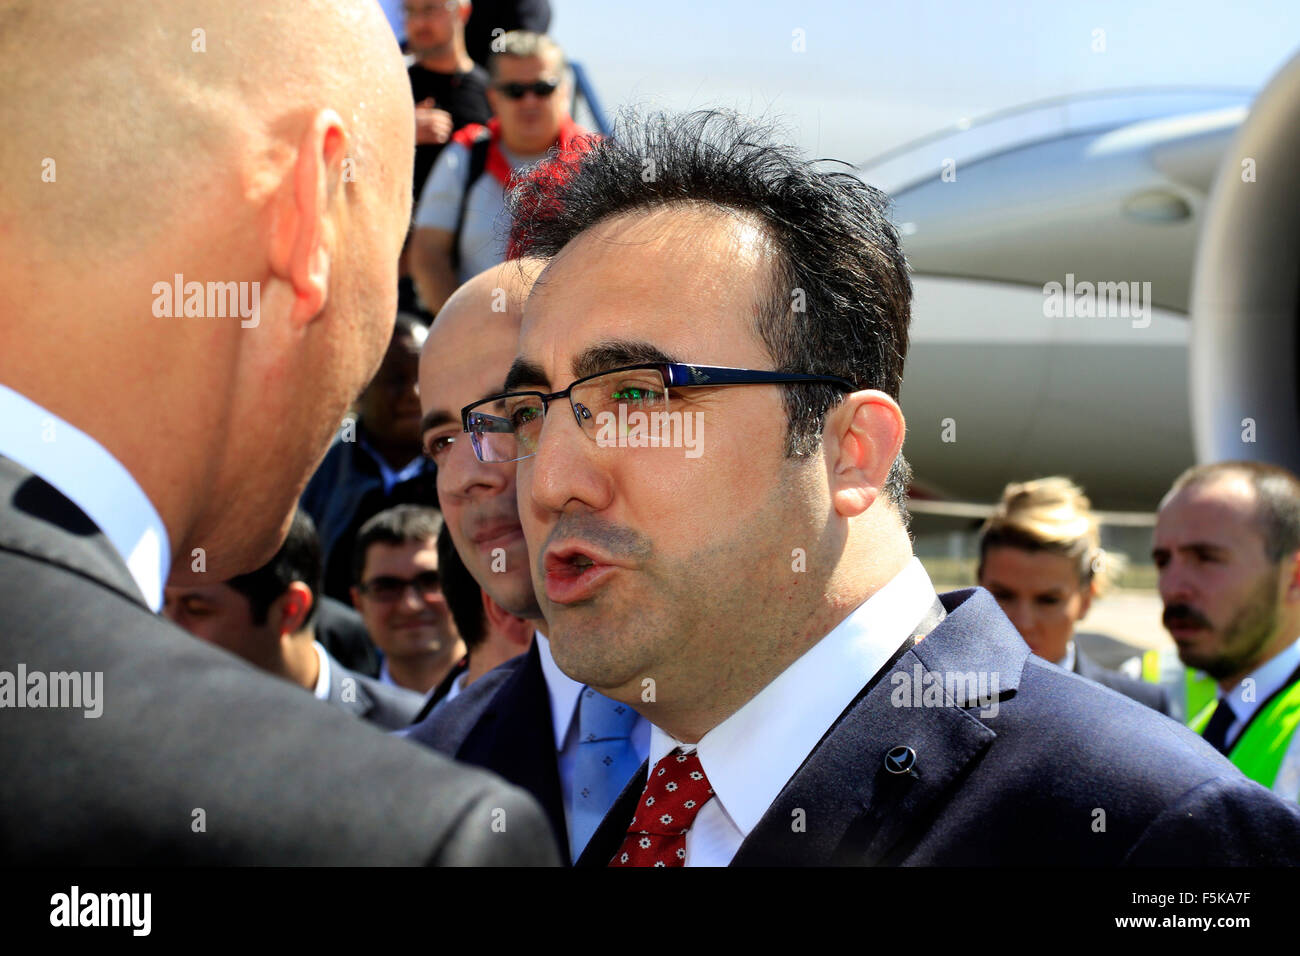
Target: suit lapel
{"x":40,"y":521}
{"x":515,"y":737}
{"x":844,"y":805}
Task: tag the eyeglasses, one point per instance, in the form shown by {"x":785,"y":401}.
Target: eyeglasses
{"x":516,"y":91}
{"x":387,"y":590}
{"x":507,"y":427}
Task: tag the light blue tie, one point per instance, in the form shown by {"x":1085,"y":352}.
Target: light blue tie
{"x":603,"y":765}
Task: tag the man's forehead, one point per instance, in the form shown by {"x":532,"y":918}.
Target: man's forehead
{"x":1210,"y":515}
{"x":650,"y":276}
{"x":516,"y":67}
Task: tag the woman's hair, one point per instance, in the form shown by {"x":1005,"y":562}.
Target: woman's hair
{"x":1052,"y":515}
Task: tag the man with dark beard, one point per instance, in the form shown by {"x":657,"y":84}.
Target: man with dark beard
{"x":1227,"y":548}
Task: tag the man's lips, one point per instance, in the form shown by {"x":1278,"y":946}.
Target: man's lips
{"x":498,"y":534}
{"x":574,"y":572}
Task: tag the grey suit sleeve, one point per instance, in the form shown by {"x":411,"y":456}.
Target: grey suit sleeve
{"x":504,"y":827}
{"x":1222,"y":822}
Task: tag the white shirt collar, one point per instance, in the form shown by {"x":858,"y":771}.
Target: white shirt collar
{"x":322,"y":689}
{"x":88,"y":475}
{"x":1262,"y":683}
{"x":1066,"y":663}
{"x":751,"y":755}
{"x":564,"y":690}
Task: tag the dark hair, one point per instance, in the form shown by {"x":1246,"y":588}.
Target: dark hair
{"x":299,"y":559}
{"x":395,"y":526}
{"x":463,"y":594}
{"x":1277,"y":500}
{"x":839,"y":302}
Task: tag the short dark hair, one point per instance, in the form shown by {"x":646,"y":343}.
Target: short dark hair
{"x":463,"y":594}
{"x":839,"y":302}
{"x":299,"y":559}
{"x":1277,"y":500}
{"x":395,"y":526}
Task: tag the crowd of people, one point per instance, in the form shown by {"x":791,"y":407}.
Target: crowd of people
{"x":639,"y":653}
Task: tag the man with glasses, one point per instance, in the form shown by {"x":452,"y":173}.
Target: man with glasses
{"x":398,"y":593}
{"x":571,"y":747}
{"x":460,"y":226}
{"x":703,"y":415}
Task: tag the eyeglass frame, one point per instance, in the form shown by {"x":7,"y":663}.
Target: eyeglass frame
{"x":674,"y":374}
{"x":368,"y":587}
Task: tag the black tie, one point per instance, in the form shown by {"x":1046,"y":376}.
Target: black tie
{"x":1217,"y":729}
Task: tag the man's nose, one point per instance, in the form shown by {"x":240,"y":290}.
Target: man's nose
{"x":1174,"y":583}
{"x":1022,"y":616}
{"x":568,"y":465}
{"x":461,"y":473}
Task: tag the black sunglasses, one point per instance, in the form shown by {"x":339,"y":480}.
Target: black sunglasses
{"x":516,"y":91}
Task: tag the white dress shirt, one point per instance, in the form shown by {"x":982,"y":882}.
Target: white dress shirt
{"x":750,"y":756}
{"x":88,"y":475}
{"x":565,"y":691}
{"x":1066,"y":663}
{"x":322,"y":688}
{"x":1259,"y":685}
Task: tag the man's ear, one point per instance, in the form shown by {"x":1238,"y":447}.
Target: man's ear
{"x":355,"y":593}
{"x":293,"y":606}
{"x":1292,"y":561}
{"x":303,"y":229}
{"x":515,"y":629}
{"x":862,"y":437}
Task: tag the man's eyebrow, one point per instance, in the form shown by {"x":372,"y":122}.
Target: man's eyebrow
{"x":618,"y":352}
{"x":590,"y":361}
{"x":525,"y":373}
{"x":434,"y":418}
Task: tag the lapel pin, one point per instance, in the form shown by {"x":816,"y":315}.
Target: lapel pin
{"x":900,"y":759}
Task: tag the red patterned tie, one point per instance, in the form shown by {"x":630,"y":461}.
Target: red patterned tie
{"x":674,"y":794}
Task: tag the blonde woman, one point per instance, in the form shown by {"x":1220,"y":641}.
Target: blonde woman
{"x":1041,"y":559}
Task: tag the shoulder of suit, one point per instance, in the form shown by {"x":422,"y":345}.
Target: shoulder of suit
{"x":240,"y":726}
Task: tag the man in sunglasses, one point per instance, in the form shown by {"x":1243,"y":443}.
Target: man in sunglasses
{"x":703,"y":417}
{"x":398,"y":593}
{"x":460,"y":226}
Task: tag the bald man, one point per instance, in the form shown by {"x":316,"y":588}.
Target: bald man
{"x":203,"y":207}
{"x":525,"y":720}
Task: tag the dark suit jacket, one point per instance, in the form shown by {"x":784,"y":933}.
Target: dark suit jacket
{"x":1153,"y":695}
{"x":440,"y":692}
{"x":198,"y":757}
{"x":503,"y":722}
{"x":391,"y":708}
{"x":1065,"y":773}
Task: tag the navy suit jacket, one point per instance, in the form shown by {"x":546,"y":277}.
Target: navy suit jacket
{"x":503,"y":722}
{"x":1066,"y":772}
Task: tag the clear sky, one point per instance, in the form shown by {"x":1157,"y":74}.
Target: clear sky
{"x":874,"y":75}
